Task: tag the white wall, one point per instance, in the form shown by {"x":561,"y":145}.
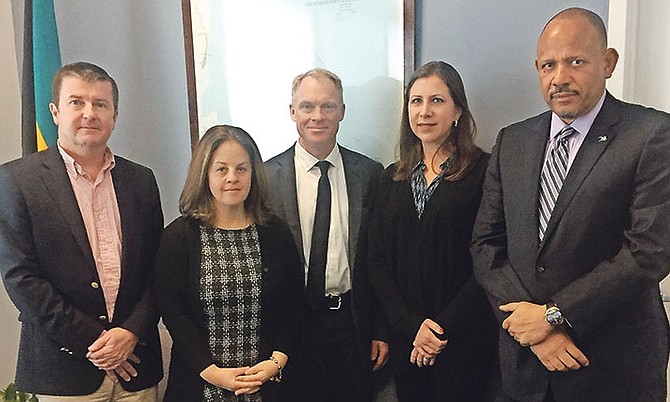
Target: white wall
{"x":652,"y":74}
{"x":640,"y":32}
{"x":10,"y":123}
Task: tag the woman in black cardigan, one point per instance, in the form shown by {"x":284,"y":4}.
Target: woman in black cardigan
{"x":443,"y":334}
{"x":229,"y":281}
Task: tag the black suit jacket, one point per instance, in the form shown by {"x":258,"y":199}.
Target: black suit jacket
{"x":48,"y":270}
{"x":361,"y":175}
{"x":604,"y":252}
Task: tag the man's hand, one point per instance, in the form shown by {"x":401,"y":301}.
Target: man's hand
{"x":125,"y":370}
{"x":526,"y":323}
{"x":559,"y":353}
{"x":379,"y":353}
{"x":112,"y":348}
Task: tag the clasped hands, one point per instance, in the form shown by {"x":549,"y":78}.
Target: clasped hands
{"x":113,"y":352}
{"x":426,"y":344}
{"x":241,"y":380}
{"x":552,"y":346}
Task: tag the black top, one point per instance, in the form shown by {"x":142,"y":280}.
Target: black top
{"x":178,"y":292}
{"x":421,"y":268}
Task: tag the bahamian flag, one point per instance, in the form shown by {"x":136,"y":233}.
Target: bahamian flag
{"x":41,"y":60}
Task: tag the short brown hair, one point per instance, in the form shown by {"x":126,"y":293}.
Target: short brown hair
{"x":196,"y":199}
{"x":86,"y":71}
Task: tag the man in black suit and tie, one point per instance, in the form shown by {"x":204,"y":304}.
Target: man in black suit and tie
{"x":79,"y":227}
{"x":324,"y":192}
{"x":571,"y":240}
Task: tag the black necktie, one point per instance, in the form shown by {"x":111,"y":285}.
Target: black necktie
{"x":316,"y":274}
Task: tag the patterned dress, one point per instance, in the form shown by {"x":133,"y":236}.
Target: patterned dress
{"x":230,"y":292}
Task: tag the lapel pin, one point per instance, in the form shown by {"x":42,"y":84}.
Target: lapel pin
{"x":602,"y":138}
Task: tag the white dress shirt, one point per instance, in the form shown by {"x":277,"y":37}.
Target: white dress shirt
{"x":307,"y":178}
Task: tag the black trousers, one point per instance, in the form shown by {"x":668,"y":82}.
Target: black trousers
{"x":331,"y":368}
{"x":439,"y":384}
{"x":549,"y":397}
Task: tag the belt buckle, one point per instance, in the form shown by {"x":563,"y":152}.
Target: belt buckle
{"x":339,"y":302}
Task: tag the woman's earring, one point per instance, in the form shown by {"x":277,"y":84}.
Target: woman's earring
{"x":456,"y":123}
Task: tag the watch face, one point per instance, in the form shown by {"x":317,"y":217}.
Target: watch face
{"x":554,"y":316}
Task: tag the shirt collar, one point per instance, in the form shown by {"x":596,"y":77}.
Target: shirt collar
{"x":75,"y":170}
{"x":307,"y":161}
{"x":582,"y":123}
{"x":444,"y":166}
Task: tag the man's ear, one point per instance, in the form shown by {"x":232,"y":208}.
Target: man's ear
{"x":292,"y":111}
{"x":611,"y":56}
{"x":54,"y":112}
{"x":344,"y":109}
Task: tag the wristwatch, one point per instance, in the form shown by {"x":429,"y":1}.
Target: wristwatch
{"x":553,"y":315}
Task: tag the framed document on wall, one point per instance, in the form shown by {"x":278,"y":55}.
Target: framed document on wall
{"x":243,"y":55}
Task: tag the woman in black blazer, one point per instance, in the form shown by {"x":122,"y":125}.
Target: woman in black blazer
{"x":229,"y":281}
{"x":442,"y":331}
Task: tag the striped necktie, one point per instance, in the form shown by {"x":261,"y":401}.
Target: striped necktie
{"x":553,"y":173}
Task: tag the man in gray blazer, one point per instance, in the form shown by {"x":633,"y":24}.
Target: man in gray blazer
{"x":79,"y":228}
{"x":572,"y":236}
{"x":342,"y":341}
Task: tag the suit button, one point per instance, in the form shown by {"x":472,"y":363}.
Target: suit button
{"x":95,"y":285}
{"x":540,"y":269}
{"x":102,"y":317}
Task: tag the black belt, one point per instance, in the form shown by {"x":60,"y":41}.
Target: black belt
{"x":337,"y":302}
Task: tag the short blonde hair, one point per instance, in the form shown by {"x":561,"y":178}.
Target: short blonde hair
{"x":318,"y":73}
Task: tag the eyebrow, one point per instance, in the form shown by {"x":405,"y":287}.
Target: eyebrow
{"x":74,"y":96}
{"x":217,"y":162}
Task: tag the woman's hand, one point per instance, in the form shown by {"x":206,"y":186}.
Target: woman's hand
{"x":426,"y":342}
{"x":421,"y":359}
{"x":259,"y":373}
{"x":231,"y":379}
{"x":262,"y":372}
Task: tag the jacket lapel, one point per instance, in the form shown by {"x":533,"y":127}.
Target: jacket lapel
{"x":595,"y":143}
{"x":355,"y":198}
{"x":285,"y":179}
{"x":534,"y":151}
{"x":55,"y":178}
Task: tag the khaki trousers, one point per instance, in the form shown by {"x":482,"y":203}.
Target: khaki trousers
{"x":108,"y":392}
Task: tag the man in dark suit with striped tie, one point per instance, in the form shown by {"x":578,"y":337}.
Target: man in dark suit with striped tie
{"x":571,"y":240}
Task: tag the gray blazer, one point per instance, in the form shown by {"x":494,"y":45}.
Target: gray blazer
{"x":362,"y":176}
{"x":48,"y":270}
{"x":604,"y":252}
